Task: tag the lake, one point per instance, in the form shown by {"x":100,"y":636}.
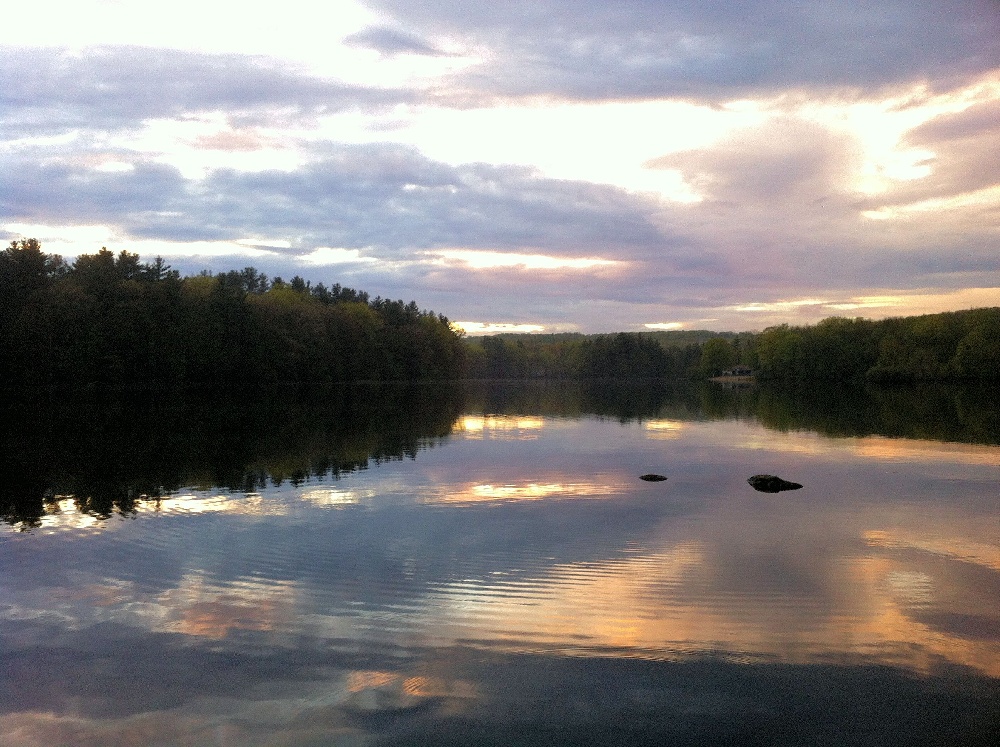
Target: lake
{"x":482,"y":564}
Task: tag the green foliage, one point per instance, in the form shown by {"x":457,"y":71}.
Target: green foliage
{"x":574,"y":356}
{"x":623,"y":356}
{"x":956,"y":345}
{"x":111,"y":319}
{"x":520,"y":357}
{"x":977,"y":355}
{"x":932,"y":347}
{"x":717,"y":354}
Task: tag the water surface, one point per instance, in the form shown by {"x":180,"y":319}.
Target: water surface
{"x":483,"y":565}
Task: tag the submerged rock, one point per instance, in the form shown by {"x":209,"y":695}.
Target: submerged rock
{"x":771,"y":484}
{"x":652,"y":477}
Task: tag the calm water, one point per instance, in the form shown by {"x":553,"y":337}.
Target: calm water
{"x":483,"y":565}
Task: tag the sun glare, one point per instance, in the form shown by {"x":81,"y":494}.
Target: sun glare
{"x":664,"y":430}
{"x":880,"y":128}
{"x":267,"y":243}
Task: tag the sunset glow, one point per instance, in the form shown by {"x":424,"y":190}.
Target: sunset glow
{"x":652,"y":164}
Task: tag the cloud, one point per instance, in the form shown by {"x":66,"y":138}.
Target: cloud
{"x":385,"y":197}
{"x":394,"y":199}
{"x":650,"y":48}
{"x":788,"y":161}
{"x":778,"y":223}
{"x":964,"y":154}
{"x":233,"y":141}
{"x":391,"y":42}
{"x":48,"y":91}
{"x":63,"y":191}
{"x":838,"y":150}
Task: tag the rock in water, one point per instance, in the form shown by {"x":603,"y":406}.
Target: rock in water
{"x":652,"y":478}
{"x":771,"y":484}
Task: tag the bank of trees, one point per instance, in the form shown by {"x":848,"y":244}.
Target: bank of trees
{"x":960,"y":345}
{"x":952,"y":346}
{"x":574,"y":356}
{"x":112,"y":319}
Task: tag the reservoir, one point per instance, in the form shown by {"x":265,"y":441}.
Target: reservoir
{"x":481,"y":564}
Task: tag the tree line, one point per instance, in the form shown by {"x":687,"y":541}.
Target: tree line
{"x":623,"y":355}
{"x":958,"y":345}
{"x":111,"y":319}
{"x":951,"y":346}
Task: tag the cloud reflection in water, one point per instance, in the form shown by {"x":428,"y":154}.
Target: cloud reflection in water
{"x":417,"y":590}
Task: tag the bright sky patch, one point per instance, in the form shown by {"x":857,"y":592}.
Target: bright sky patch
{"x":495,"y":328}
{"x":486,"y":260}
{"x":327,"y":255}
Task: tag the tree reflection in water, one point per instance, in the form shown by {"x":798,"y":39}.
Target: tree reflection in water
{"x":107,"y":450}
{"x":110,"y":449}
{"x":518,"y":585}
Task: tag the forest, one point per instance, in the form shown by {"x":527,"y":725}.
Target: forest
{"x":951,"y":346}
{"x":956,"y":345}
{"x":111,"y":319}
{"x":624,"y":355}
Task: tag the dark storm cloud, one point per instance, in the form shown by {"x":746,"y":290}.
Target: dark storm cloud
{"x":713,"y":49}
{"x":48,"y":91}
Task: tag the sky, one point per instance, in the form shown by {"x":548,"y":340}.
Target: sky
{"x":527,"y":164}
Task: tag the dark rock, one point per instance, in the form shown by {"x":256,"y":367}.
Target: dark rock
{"x":652,"y":478}
{"x":771,"y":484}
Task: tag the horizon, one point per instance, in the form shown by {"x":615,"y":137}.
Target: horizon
{"x":529,"y":167}
{"x":510,"y":330}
